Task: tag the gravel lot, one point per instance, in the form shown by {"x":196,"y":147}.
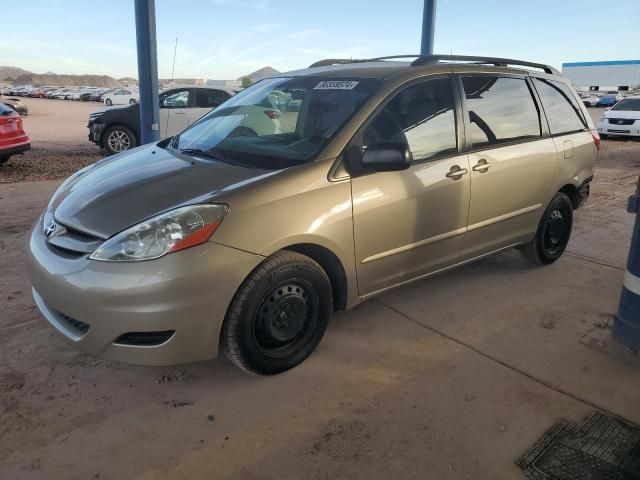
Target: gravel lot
{"x":449,"y":378}
{"x":59,"y":143}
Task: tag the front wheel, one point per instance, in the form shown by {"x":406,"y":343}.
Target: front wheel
{"x":279,"y":314}
{"x":118,"y":139}
{"x":554,"y":231}
{"x":132,"y":101}
{"x":108,"y":102}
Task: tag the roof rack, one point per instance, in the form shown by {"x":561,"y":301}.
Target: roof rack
{"x":433,"y":59}
{"x":498,"y":62}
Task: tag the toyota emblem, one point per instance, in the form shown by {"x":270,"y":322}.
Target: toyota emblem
{"x":50,"y":230}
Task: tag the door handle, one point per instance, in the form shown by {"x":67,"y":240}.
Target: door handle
{"x":456,"y":173}
{"x":482,"y":166}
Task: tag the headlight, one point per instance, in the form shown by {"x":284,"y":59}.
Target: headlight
{"x":169,"y":232}
{"x":602,"y":118}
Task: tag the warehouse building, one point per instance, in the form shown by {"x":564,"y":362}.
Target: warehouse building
{"x":608,"y":75}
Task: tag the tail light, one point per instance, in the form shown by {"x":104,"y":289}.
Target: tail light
{"x":596,"y":139}
{"x":272,"y":114}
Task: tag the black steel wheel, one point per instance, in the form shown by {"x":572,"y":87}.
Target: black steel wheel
{"x":553,"y":234}
{"x":279,"y":314}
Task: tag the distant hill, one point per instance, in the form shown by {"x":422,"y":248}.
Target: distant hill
{"x":11,"y":72}
{"x":67,"y":80}
{"x":260,"y":74}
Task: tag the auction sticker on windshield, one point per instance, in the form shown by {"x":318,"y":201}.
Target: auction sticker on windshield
{"x":336,"y":85}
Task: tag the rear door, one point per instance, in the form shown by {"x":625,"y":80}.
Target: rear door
{"x":570,"y":129}
{"x":206,"y":99}
{"x":412,"y":222}
{"x":512,"y":161}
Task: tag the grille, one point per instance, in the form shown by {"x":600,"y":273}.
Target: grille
{"x":80,"y":327}
{"x":73,"y":242}
{"x":621,"y":121}
{"x":144,"y":339}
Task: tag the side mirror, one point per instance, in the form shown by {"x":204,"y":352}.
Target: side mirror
{"x":386,"y":157}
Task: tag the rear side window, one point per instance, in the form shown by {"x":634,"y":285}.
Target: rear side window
{"x":500,"y":109}
{"x":5,"y":109}
{"x":422,"y":116}
{"x":560,"y":106}
{"x":209,"y":98}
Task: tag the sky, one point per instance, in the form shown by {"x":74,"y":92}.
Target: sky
{"x":225,"y":39}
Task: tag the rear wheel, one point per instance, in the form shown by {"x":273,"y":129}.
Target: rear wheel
{"x":132,"y":101}
{"x":4,"y":159}
{"x":278,"y":315}
{"x":554,"y":231}
{"x":108,"y":102}
{"x":118,"y":139}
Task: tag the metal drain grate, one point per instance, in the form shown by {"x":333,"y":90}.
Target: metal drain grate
{"x":601,"y":447}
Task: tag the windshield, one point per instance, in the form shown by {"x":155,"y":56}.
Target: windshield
{"x":628,"y":105}
{"x":278,"y":122}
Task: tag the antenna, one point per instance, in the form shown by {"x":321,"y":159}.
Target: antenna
{"x":173,"y":67}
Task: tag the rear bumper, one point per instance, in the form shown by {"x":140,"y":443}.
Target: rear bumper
{"x":92,"y":304}
{"x":15,"y":149}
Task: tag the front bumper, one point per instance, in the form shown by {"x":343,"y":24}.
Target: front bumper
{"x":95,"y":132}
{"x":187,"y":292}
{"x":607,"y":128}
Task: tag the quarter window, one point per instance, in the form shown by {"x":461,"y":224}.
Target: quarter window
{"x":179,"y":99}
{"x":560,"y":106}
{"x":422,"y":116}
{"x":500,"y":110}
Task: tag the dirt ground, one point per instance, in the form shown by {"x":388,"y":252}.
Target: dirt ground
{"x":59,"y":141}
{"x":452,"y":377}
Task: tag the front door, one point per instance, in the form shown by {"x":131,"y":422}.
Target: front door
{"x":174,"y":113}
{"x":512,"y":165}
{"x":412,"y":222}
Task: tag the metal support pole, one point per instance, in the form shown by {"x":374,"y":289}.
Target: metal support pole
{"x":626,"y":327}
{"x":428,"y":27}
{"x":147,"y":70}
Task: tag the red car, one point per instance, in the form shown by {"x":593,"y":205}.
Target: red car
{"x":13,"y":138}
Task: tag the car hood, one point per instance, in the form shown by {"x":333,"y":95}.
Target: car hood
{"x":124,"y":190}
{"x":622,"y":114}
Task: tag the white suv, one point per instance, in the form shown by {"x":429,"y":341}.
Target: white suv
{"x":621,"y":119}
{"x":122,"y":96}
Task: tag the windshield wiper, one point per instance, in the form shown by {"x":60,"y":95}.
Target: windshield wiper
{"x":204,"y":153}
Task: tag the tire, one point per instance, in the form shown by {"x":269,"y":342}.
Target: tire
{"x":132,"y":101}
{"x":278,"y":316}
{"x":118,"y":139}
{"x":604,"y":136}
{"x":108,"y":102}
{"x":553,"y":234}
{"x":4,"y":159}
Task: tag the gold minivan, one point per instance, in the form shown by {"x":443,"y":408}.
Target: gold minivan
{"x":374,"y":174}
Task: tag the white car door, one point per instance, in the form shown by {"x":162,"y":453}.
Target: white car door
{"x":175,"y":105}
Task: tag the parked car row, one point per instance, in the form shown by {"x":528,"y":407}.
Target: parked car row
{"x":110,"y":96}
{"x":607,"y":99}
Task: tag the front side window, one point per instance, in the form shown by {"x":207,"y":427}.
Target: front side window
{"x":179,"y":99}
{"x":500,"y":110}
{"x":278,"y":122}
{"x":422,"y":116}
{"x":560,"y":107}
